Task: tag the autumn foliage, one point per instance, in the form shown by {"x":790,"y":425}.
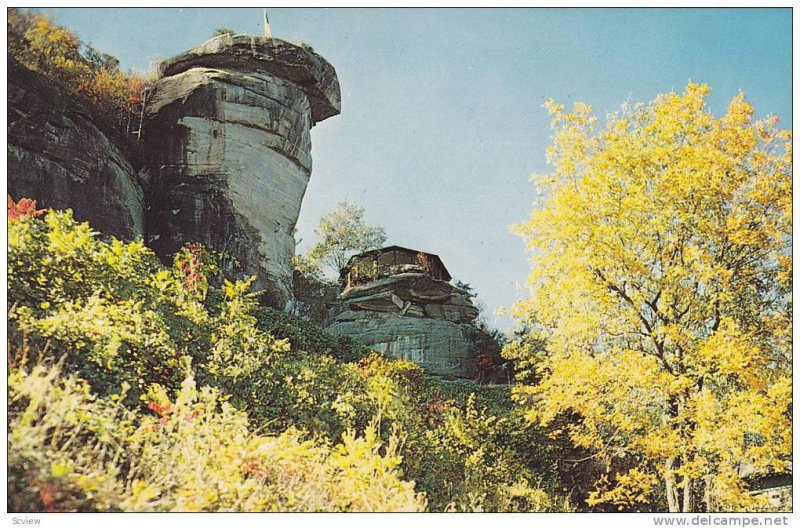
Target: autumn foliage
{"x":139,"y":387}
{"x":58,"y":54}
{"x":661,"y":286}
{"x":25,"y":208}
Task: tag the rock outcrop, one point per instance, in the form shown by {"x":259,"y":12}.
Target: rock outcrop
{"x":413,"y":316}
{"x":60,"y":155}
{"x":224,"y":160}
{"x":229,"y":151}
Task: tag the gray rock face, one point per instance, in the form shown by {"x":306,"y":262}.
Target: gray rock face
{"x":411,"y":316}
{"x":296,"y":64}
{"x":59,"y":156}
{"x":228,"y":140}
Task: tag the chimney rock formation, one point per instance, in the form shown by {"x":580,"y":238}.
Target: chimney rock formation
{"x":228,"y":145}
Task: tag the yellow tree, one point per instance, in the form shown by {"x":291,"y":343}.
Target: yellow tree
{"x":54,"y":51}
{"x":661,"y":282}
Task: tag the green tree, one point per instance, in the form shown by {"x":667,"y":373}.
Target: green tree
{"x":342,"y":233}
{"x":223,"y":31}
{"x":661,"y":284}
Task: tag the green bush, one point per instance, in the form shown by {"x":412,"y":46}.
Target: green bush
{"x":110,"y":314}
{"x":307,"y":336}
{"x":109,"y":308}
{"x":469,"y":449}
{"x":118,"y":316}
{"x":71,"y":451}
{"x":63,"y":443}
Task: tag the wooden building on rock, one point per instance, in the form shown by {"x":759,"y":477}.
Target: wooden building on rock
{"x":388,"y":261}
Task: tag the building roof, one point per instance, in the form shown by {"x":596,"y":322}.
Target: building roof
{"x":373,"y":252}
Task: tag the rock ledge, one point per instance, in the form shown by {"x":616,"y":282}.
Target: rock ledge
{"x":247,"y":53}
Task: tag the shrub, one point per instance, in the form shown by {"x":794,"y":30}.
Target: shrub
{"x":69,"y":450}
{"x":127,"y":326}
{"x":304,"y":335}
{"x":63,"y":443}
{"x":56,"y":53}
{"x":470,"y":451}
{"x":118,"y":315}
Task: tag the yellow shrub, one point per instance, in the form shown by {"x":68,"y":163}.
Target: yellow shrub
{"x":70,"y":451}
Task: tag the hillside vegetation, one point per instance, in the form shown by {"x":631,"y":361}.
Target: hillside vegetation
{"x":134,"y":386}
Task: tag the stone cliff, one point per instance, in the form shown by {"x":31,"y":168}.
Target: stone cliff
{"x":224,"y":159}
{"x":61,"y":154}
{"x":408,"y":311}
{"x":229,"y":151}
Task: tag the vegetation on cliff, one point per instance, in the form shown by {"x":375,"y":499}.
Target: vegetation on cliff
{"x":341,"y":233}
{"x":58,"y":54}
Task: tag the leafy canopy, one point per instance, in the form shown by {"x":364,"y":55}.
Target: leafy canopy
{"x":342,"y":233}
{"x":661,"y":283}
{"x":57,"y":53}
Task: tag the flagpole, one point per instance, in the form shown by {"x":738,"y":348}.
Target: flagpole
{"x":267,"y":28}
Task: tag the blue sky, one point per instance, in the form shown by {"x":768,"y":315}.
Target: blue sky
{"x":441,"y":122}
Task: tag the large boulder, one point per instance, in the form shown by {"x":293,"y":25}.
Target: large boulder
{"x":411,"y":316}
{"x":61,"y":155}
{"x":441,"y":347}
{"x":410,"y":294}
{"x":229,"y":152}
{"x":295,"y":63}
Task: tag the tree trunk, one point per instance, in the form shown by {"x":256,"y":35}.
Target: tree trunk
{"x":673,"y":499}
{"x":688,"y":495}
{"x":680,"y":496}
